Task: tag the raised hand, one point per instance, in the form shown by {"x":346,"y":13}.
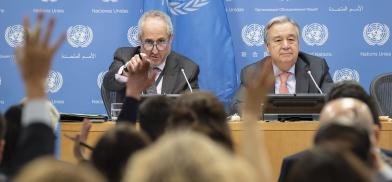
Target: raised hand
{"x":253,"y":145}
{"x":35,"y":57}
{"x":81,"y":138}
{"x":140,"y":76}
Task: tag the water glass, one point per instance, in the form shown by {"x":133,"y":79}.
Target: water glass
{"x":115,"y":110}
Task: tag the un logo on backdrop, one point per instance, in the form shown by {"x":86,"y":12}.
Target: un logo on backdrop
{"x":182,"y":7}
{"x":100,"y":78}
{"x":133,"y":36}
{"x":54,"y":82}
{"x":79,"y":36}
{"x":0,"y":81}
{"x":345,"y":74}
{"x":14,"y":35}
{"x":315,"y":34}
{"x":376,"y":34}
{"x":48,"y":1}
{"x":253,"y":35}
{"x":109,"y":1}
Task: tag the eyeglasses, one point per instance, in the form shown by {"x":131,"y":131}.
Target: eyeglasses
{"x":161,"y":44}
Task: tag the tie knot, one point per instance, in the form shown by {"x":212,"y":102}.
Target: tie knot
{"x":284,"y":76}
{"x":156,"y":69}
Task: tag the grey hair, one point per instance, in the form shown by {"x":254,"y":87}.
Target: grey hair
{"x":155,"y":14}
{"x":279,"y":20}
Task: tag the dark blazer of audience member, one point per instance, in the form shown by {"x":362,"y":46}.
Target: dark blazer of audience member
{"x":356,"y":140}
{"x":155,"y":35}
{"x":329,"y":162}
{"x":281,"y":38}
{"x":14,"y":126}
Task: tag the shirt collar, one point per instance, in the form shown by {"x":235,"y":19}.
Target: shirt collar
{"x":162,"y":65}
{"x":277,"y":71}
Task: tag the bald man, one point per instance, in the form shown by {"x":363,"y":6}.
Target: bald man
{"x":349,"y":112}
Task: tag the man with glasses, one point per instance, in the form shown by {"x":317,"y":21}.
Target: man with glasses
{"x":293,"y":70}
{"x":169,"y":68}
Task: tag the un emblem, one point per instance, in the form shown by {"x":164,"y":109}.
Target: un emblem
{"x":54,"y":82}
{"x":14,"y":35}
{"x":315,"y":34}
{"x":133,"y":36}
{"x":182,"y":7}
{"x":253,"y":35}
{"x":79,"y":36}
{"x":345,"y":74}
{"x":109,"y":1}
{"x":48,"y":1}
{"x":376,"y":34}
{"x":100,"y":78}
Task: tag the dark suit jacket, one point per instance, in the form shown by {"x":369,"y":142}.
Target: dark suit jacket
{"x":36,"y":140}
{"x":289,"y":161}
{"x":318,"y":66}
{"x":173,"y":80}
{"x":129,"y":110}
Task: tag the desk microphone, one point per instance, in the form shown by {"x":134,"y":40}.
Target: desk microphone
{"x":311,"y":76}
{"x":186,"y":79}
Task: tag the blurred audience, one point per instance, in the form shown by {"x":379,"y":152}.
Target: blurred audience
{"x":153,"y":114}
{"x":12,"y":132}
{"x":208,"y":117}
{"x":2,"y":143}
{"x":52,"y":170}
{"x":34,"y":60}
{"x":352,"y":89}
{"x":353,"y":113}
{"x":327,"y":163}
{"x":347,"y":138}
{"x":112,"y":151}
{"x":187,"y":156}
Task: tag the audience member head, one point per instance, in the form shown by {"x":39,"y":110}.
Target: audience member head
{"x":155,"y":35}
{"x":327,"y":163}
{"x":202,"y":112}
{"x":281,"y":37}
{"x":206,"y":106}
{"x":51,"y":170}
{"x":347,"y":111}
{"x":353,"y":89}
{"x":112,"y":151}
{"x":347,"y":138}
{"x":153,"y":114}
{"x":187,"y":156}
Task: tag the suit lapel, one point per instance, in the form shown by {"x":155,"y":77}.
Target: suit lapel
{"x":302,"y":79}
{"x":169,"y":74}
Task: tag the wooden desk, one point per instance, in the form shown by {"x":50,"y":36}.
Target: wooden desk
{"x":281,"y":139}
